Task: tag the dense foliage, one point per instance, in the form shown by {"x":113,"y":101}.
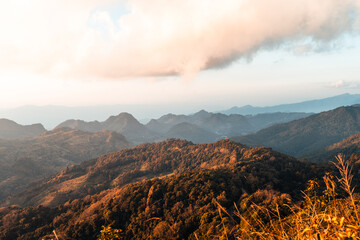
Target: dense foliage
{"x":178,"y":206}
{"x":329,"y":210}
{"x":142,"y":162}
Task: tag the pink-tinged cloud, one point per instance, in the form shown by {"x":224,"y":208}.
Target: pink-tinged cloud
{"x":162,"y":37}
{"x":345,"y":84}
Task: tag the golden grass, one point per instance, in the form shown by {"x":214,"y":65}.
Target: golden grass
{"x":319,"y":216}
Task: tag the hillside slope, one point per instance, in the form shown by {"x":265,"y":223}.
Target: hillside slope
{"x":349,"y":147}
{"x":23,"y":161}
{"x":308,"y":134}
{"x":141,"y":162}
{"x":170,"y":207}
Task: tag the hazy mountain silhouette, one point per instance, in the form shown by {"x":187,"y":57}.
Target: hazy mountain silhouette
{"x":123,"y":123}
{"x":312,"y":106}
{"x":191,"y":132}
{"x":216,"y":123}
{"x":82,"y":125}
{"x":10,"y":129}
{"x":221,"y":124}
{"x":200,"y":127}
{"x":51,"y":116}
{"x":164,"y":123}
{"x":263,"y":120}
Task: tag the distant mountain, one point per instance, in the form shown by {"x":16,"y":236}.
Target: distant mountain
{"x":178,"y":202}
{"x":308,"y":134}
{"x":221,"y":124}
{"x":264,"y":120}
{"x":191,"y":132}
{"x":50,"y":116}
{"x":123,"y":123}
{"x":164,"y":123}
{"x":200,"y":127}
{"x":130,"y":127}
{"x":10,"y":129}
{"x":23,"y":161}
{"x":81,"y":125}
{"x":312,"y":106}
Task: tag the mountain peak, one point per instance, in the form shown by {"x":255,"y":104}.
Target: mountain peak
{"x":201,"y":113}
{"x":10,"y":129}
{"x":124,"y":116}
{"x":7,"y":121}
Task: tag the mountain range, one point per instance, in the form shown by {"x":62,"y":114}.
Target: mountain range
{"x":59,"y":181}
{"x":199,"y":127}
{"x":51,"y":116}
{"x":123,"y":123}
{"x":314,"y":106}
{"x":304,"y":136}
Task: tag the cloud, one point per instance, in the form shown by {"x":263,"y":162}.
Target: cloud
{"x":338,"y":84}
{"x":345,"y":84}
{"x":161,"y":37}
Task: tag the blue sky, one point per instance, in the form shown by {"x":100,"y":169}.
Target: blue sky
{"x":139,"y":53}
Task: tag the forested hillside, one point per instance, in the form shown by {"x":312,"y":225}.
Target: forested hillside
{"x":349,"y":147}
{"x":177,"y":206}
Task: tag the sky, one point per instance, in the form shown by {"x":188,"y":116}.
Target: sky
{"x":199,"y":53}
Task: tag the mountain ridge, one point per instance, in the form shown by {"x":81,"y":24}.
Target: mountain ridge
{"x":310,"y":106}
{"x":209,"y":126}
{"x":11,"y":130}
{"x":309,"y":134}
{"x":123,"y":123}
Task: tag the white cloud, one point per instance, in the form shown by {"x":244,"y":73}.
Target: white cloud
{"x":159,"y":37}
{"x":345,"y":84}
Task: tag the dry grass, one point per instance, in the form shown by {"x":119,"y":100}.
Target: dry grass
{"x":318,"y":216}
